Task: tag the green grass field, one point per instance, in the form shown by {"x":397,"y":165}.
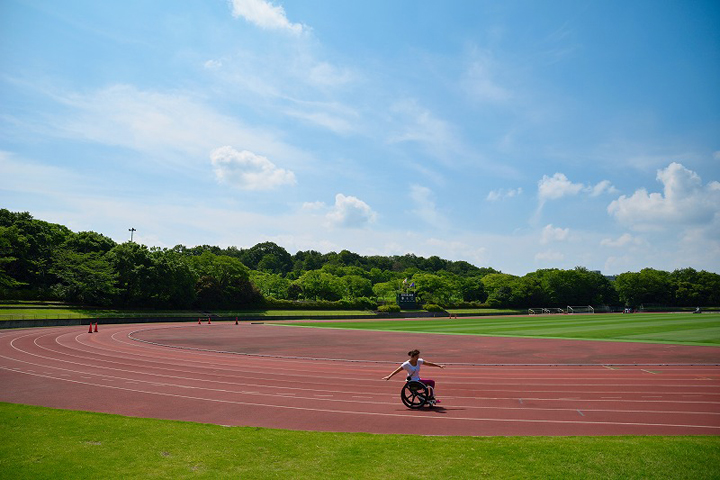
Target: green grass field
{"x":678,"y":328}
{"x":42,"y":443}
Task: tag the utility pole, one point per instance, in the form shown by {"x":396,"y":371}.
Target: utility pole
{"x":131,"y":230}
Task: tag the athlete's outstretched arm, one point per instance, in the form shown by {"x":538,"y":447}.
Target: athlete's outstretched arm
{"x":393,"y":373}
{"x":433,"y":364}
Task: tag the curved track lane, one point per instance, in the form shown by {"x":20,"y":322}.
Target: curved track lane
{"x":111,"y":371}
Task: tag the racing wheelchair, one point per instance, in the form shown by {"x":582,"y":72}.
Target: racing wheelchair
{"x":416,"y":394}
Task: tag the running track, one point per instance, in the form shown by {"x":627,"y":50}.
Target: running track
{"x":331,"y":380}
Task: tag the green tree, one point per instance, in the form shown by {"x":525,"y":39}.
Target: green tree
{"x":86,"y":278}
{"x":647,"y":286}
{"x":387,"y":290}
{"x":31,"y":247}
{"x":152,"y":277}
{"x":432,"y":288}
{"x":8,"y":238}
{"x":278,"y":261}
{"x":526,"y":292}
{"x":499,"y":287}
{"x":223,"y":282}
{"x":89,"y":242}
{"x":318,"y":285}
{"x":693,"y":288}
{"x":132,"y":263}
{"x":357,"y":286}
{"x":309,"y":260}
{"x":472,"y":289}
{"x":271,"y":285}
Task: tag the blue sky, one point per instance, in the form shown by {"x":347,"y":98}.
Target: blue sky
{"x":517,"y":135}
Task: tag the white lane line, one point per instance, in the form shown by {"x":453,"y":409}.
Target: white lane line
{"x":305,"y":389}
{"x":335,"y":391}
{"x":404,"y":415}
{"x":365,"y":400}
{"x":155,"y":361}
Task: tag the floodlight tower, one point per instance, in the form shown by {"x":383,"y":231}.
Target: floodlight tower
{"x":131,"y":230}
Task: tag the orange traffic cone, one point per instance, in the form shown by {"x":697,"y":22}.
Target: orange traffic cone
{"x":199,"y":322}
{"x":209,"y":322}
{"x":96,"y":326}
{"x":90,"y":329}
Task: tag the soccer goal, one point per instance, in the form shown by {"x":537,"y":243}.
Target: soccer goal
{"x":544,"y":310}
{"x":580,"y":309}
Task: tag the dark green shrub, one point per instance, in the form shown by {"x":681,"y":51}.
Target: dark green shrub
{"x":355,"y":304}
{"x":431,"y":307}
{"x":390,"y":308}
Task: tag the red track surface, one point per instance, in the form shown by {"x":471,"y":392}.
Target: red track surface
{"x":111,"y":371}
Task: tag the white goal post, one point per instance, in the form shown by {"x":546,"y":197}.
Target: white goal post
{"x":544,"y":310}
{"x":580,"y":309}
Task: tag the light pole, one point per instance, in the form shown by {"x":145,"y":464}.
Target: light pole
{"x":131,"y":230}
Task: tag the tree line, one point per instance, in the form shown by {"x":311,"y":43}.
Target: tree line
{"x":42,"y":260}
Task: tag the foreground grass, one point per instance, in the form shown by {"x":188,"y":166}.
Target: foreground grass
{"x":40,"y":442}
{"x":675,"y":328}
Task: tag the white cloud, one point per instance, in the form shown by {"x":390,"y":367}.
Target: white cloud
{"x":624,"y":240}
{"x":549,"y":256}
{"x":313,"y":206}
{"x":326,"y":119}
{"x":603,"y":187}
{"x":325,"y":74}
{"x":552,"y":234}
{"x":479,"y":79}
{"x":557,"y":186}
{"x":502,"y":194}
{"x":350,"y":211}
{"x":425,"y":208}
{"x":213,"y":64}
{"x":264,"y":15}
{"x":174,"y":129}
{"x":684,"y":201}
{"x":421,"y":126}
{"x":248,"y":171}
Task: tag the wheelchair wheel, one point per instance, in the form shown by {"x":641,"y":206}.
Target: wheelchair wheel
{"x":415,"y":394}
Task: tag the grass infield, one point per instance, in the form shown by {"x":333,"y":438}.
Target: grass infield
{"x":675,"y":328}
{"x":40,"y":442}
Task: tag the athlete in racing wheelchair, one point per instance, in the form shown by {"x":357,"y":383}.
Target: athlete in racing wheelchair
{"x":417,"y":392}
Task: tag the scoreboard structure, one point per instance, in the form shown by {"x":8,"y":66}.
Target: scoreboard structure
{"x":407,"y":301}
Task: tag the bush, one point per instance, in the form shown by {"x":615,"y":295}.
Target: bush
{"x":390,"y":308}
{"x":431,"y":307}
{"x":470,"y":305}
{"x":362,"y":303}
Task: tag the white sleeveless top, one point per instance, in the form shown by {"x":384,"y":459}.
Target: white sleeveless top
{"x":413,"y":372}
